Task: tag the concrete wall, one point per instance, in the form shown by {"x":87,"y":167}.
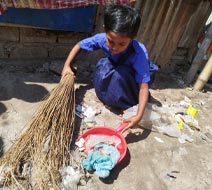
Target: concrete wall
{"x":31,"y":43}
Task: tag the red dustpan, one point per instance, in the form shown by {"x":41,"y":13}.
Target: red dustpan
{"x":109,"y":131}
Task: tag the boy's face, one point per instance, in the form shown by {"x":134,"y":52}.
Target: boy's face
{"x":117,"y":42}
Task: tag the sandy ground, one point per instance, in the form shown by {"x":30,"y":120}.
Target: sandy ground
{"x":154,"y":160}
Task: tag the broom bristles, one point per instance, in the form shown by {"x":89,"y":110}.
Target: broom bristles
{"x":46,"y":142}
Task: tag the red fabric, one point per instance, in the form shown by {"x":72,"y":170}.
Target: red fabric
{"x":55,"y":4}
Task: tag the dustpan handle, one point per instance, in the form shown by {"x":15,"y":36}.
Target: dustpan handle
{"x":122,"y":127}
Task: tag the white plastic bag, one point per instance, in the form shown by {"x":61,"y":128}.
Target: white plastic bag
{"x":70,"y":178}
{"x":149,"y":118}
{"x":155,"y":119}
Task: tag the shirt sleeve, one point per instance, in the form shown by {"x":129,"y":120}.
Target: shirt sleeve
{"x":93,"y":43}
{"x":142,"y":74}
{"x":141,"y":67}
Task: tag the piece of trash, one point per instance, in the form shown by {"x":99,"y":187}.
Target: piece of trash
{"x":187,"y":99}
{"x":179,"y":121}
{"x":191,"y":111}
{"x":150,"y":117}
{"x":25,"y":170}
{"x":89,"y":114}
{"x":170,"y":129}
{"x":80,"y":109}
{"x":209,"y":168}
{"x":175,"y":171}
{"x":202,"y":103}
{"x":171,"y":176}
{"x":80,"y":144}
{"x":193,"y":126}
{"x":79,"y":114}
{"x":70,"y":178}
{"x":90,"y":124}
{"x":183,"y":138}
{"x":209,"y":128}
{"x":159,"y":139}
{"x":208,"y":135}
{"x":149,"y":113}
{"x":190,"y":122}
{"x":205,"y":138}
{"x":86,"y":112}
{"x":186,"y":102}
{"x":189,"y":88}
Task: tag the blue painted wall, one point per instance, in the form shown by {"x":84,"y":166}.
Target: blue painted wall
{"x":80,"y":19}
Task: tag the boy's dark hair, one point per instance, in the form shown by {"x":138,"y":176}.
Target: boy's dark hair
{"x":122,"y":19}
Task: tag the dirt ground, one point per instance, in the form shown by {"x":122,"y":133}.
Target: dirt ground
{"x":154,"y":160}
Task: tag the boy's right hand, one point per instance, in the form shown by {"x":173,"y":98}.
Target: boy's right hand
{"x":66,"y":70}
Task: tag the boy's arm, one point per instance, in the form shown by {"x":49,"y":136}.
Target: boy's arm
{"x":143,"y":98}
{"x":66,"y":68}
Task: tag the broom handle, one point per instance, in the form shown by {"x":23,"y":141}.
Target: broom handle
{"x":122,"y":127}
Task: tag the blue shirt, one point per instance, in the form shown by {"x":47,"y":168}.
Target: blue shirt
{"x":138,"y":59}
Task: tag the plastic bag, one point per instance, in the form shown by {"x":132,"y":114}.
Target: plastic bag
{"x":154,"y":120}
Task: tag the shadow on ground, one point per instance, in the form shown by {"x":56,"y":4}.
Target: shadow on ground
{"x":137,"y":136}
{"x":1,"y":147}
{"x":23,"y":91}
{"x":24,"y":86}
{"x":20,"y":80}
{"x":2,"y":108}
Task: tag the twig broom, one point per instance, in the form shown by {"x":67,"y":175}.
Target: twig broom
{"x":44,"y":147}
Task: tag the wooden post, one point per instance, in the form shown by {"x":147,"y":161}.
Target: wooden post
{"x":172,"y":19}
{"x":199,"y":57}
{"x":138,"y":5}
{"x":204,"y":75}
{"x":156,"y":25}
{"x":144,"y":17}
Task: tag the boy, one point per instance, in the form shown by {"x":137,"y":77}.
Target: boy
{"x":121,"y":79}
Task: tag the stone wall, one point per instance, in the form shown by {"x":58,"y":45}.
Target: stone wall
{"x":30,"y":43}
